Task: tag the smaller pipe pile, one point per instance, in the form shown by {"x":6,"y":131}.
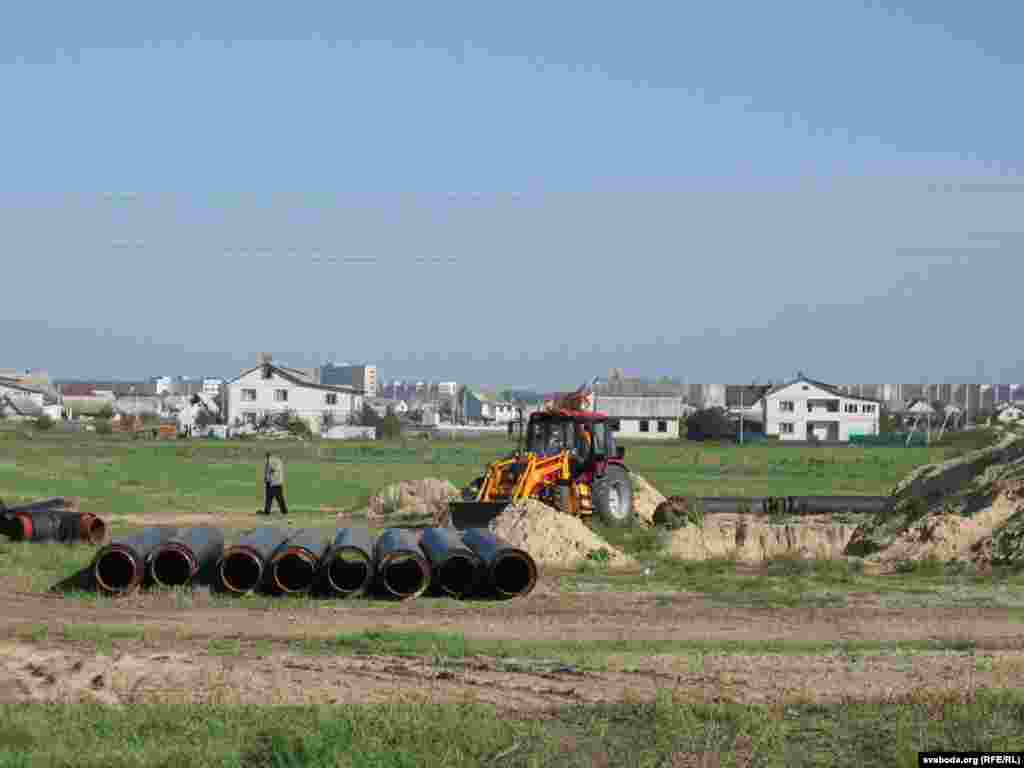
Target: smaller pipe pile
{"x":400,"y":566}
{"x":56,"y":519}
{"x":121,"y":566}
{"x":294,"y":568}
{"x":511,"y":571}
{"x":347,"y":568}
{"x":177,"y":562}
{"x":457,"y":569}
{"x":243,"y":567}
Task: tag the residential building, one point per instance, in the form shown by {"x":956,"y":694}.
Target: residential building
{"x":361,"y":377}
{"x":212,"y":387}
{"x":268,"y":389}
{"x":478,"y":408}
{"x":805,"y":409}
{"x":643,"y":416}
{"x":447,"y":388}
{"x":380,"y":406}
{"x":1010,"y":413}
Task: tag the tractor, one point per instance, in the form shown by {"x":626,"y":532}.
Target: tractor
{"x":569,"y":461}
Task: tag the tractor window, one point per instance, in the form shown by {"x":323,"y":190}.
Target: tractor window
{"x":600,"y":439}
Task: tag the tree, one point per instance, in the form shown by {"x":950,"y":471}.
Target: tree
{"x":390,"y":427}
{"x":44,"y":422}
{"x":709,"y":424}
{"x":888,"y":422}
{"x":204,"y":419}
{"x":106,"y":412}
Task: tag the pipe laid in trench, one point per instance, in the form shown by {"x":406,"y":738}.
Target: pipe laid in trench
{"x":825,"y":505}
{"x":346,"y":569}
{"x":400,"y":566}
{"x":293,"y":569}
{"x":121,"y":565}
{"x":511,"y":571}
{"x":457,"y":569}
{"x":177,"y":562}
{"x":243,"y":566}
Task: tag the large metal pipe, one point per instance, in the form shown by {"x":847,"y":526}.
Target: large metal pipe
{"x":347,"y":568}
{"x":176,"y":563}
{"x":731,"y":505}
{"x":511,"y":571}
{"x":243,"y":567}
{"x":56,"y":519}
{"x":457,"y":569}
{"x":400,"y":566}
{"x":121,"y":565}
{"x":827,"y":505}
{"x":294,"y":567}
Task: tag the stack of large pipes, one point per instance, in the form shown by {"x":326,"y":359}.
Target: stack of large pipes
{"x":56,"y":519}
{"x":400,"y":564}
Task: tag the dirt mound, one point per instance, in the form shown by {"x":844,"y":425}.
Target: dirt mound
{"x":970,"y":507}
{"x":646,"y":499}
{"x":751,"y":540}
{"x":428,"y":496}
{"x":553,"y":538}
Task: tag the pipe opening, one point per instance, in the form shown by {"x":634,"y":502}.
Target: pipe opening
{"x":348,"y":572}
{"x":95,"y":531}
{"x":405,"y":575}
{"x":514,"y":575}
{"x":294,"y":572}
{"x":457,"y":575}
{"x":116,"y":571}
{"x":241,"y":571}
{"x":172,"y":568}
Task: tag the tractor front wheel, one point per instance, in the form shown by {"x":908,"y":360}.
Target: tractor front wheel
{"x":613,"y":498}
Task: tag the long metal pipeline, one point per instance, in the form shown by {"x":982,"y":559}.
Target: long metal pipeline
{"x":400,"y":566}
{"x":511,"y":571}
{"x":457,"y":569}
{"x":243,"y":567}
{"x":294,"y":567}
{"x":121,"y":565}
{"x":177,"y":562}
{"x":346,"y":569}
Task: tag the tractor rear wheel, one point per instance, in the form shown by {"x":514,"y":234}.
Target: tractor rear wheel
{"x":613,"y":498}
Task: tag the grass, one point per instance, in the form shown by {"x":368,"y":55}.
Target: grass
{"x":115,"y":475}
{"x":669,"y":731}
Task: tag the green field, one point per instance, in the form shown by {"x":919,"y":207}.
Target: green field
{"x":114,"y":475}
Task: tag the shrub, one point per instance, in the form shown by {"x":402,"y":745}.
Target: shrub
{"x":44,"y":422}
{"x":103,"y":426}
{"x":106,"y":412}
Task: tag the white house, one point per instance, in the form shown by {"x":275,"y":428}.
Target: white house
{"x":212,"y":387}
{"x":805,"y":409}
{"x":479,"y":408}
{"x":268,"y":389}
{"x":380,"y":406}
{"x":643,"y":416}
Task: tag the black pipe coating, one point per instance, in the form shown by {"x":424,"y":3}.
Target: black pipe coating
{"x":176,"y":563}
{"x":511,"y":571}
{"x":457,"y":569}
{"x":400,"y":566}
{"x":121,"y":565}
{"x":347,"y":567}
{"x":243,"y":567}
{"x":294,"y":567}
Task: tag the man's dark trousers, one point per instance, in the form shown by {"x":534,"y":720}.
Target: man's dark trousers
{"x":275,"y":492}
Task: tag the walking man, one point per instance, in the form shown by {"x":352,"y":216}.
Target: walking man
{"x":273,"y":476}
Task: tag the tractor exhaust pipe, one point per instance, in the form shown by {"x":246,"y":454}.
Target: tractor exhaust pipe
{"x":511,"y":571}
{"x":294,"y":568}
{"x":347,"y":568}
{"x":456,"y":568}
{"x":177,"y":562}
{"x":243,"y":567}
{"x":400,"y":566}
{"x":120,"y":567}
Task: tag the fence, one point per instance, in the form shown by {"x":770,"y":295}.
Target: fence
{"x":893,"y":439}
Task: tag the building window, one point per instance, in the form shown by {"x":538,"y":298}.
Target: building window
{"x":645,"y":425}
{"x":281,"y":395}
{"x":663,"y":426}
{"x":331,"y":398}
{"x":868,"y":409}
{"x":786,"y":406}
{"x":850,"y":408}
{"x":249,"y":395}
{"x":785,"y":428}
{"x":614,"y":426}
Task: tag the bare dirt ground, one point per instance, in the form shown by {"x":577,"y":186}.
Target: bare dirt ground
{"x":174,"y":662}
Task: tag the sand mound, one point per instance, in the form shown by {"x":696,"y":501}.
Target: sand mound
{"x":551,"y":537}
{"x":751,"y":540}
{"x":646,"y":499}
{"x":428,"y":496}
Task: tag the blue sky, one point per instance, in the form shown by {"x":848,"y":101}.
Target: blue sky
{"x":523,"y":195}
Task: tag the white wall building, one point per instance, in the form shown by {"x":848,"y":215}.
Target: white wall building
{"x":447,"y":388}
{"x":212,"y":387}
{"x":268,"y":390}
{"x":643,"y":416}
{"x":804,"y":409}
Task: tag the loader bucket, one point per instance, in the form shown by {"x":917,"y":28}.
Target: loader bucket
{"x":474,"y":514}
